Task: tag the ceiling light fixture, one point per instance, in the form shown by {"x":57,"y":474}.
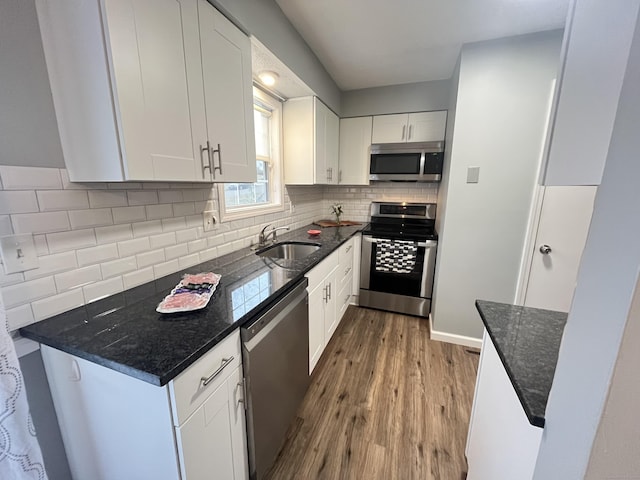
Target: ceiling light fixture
{"x":268,"y":78}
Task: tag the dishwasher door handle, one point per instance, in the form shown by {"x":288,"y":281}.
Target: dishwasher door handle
{"x":225,"y":361}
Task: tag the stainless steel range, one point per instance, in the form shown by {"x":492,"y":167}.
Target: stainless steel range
{"x":398,"y":257}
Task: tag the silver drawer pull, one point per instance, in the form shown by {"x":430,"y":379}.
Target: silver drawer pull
{"x":346,"y":272}
{"x":349,"y":248}
{"x":207,"y":380}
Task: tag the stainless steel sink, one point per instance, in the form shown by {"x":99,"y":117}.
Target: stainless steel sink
{"x":289,"y":250}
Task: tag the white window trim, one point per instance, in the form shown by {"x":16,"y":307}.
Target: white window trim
{"x":277,"y":170}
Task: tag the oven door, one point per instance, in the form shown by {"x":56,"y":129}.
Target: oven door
{"x":400,"y":267}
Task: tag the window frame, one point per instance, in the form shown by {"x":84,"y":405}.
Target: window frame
{"x":275,"y":174}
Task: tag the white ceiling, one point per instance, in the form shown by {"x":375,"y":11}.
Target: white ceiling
{"x":372,"y":43}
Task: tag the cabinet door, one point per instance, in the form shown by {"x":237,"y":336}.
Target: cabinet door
{"x":333,"y":147}
{"x":316,"y":324}
{"x":228,"y":97}
{"x":330,"y":306}
{"x":207,"y":441}
{"x":322,"y":153}
{"x":150,"y":44}
{"x":426,"y":126}
{"x":389,"y":128}
{"x":355,"y":143}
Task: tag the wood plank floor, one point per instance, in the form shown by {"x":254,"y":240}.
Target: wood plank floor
{"x":385,"y":403}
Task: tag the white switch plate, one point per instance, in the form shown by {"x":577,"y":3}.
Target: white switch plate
{"x":473,"y":174}
{"x":18,"y":253}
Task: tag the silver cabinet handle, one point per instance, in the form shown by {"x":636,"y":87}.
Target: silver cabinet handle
{"x":325,"y":295}
{"x":328,"y":175}
{"x":346,"y":272}
{"x":340,"y":176}
{"x":242,"y":386}
{"x":206,"y":148}
{"x":329,"y":294}
{"x":545,"y":249}
{"x":410,"y":127}
{"x":404,"y":129}
{"x":207,"y":380}
{"x":219,"y":167}
{"x":348,"y":248}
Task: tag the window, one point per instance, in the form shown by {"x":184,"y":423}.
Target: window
{"x":238,"y":200}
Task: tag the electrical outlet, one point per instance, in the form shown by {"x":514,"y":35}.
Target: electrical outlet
{"x":209,"y":219}
{"x":18,"y":253}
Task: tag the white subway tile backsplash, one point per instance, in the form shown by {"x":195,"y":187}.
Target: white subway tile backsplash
{"x":173,"y":224}
{"x":193,"y":195}
{"x":166,"y":268}
{"x":19,"y":317}
{"x":186,"y":235}
{"x":30,"y":178}
{"x":197,"y":245}
{"x":18,"y":202}
{"x":189,"y":260}
{"x":48,"y":307}
{"x":162,"y":240}
{"x":129,"y":214}
{"x":194,"y":220}
{"x":164,"y":210}
{"x":144,"y":229}
{"x":131,"y":247}
{"x":29,"y":291}
{"x":182,"y":209}
{"x":99,"y":254}
{"x":61,"y":242}
{"x":142,"y":197}
{"x":40,"y":222}
{"x":208,"y":254}
{"x":150,"y":258}
{"x":107,"y":198}
{"x":11,"y":278}
{"x":5,"y":225}
{"x":99,"y":290}
{"x":113,"y":233}
{"x":77,"y":278}
{"x":95,"y":217}
{"x":52,"y":264}
{"x":176,"y":251}
{"x":170,"y":196}
{"x":67,"y":184}
{"x":138,"y":277}
{"x":40,"y":241}
{"x":125,"y":186}
{"x":52,"y":200}
{"x":118,"y":267}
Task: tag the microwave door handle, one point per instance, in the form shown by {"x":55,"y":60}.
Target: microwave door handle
{"x":423,"y":161}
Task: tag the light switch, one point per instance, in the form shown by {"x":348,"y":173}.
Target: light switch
{"x":18,"y":253}
{"x":473,"y":174}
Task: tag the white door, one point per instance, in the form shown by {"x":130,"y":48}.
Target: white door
{"x":150,"y":43}
{"x":355,"y":143}
{"x":427,"y":126}
{"x":228,"y":92}
{"x":389,"y":128}
{"x":562,"y":232}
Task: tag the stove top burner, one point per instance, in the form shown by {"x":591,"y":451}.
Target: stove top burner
{"x":402,"y":220}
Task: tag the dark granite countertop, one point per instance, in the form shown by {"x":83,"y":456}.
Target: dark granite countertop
{"x":125,"y":333}
{"x":527,"y":340}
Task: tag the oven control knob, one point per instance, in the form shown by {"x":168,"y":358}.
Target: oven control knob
{"x":545,"y":249}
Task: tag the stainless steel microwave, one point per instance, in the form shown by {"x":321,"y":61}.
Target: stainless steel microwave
{"x":407,"y":162}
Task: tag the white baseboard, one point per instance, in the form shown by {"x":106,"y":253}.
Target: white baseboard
{"x":453,"y":338}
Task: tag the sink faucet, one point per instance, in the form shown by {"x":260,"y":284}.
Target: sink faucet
{"x":263,"y":237}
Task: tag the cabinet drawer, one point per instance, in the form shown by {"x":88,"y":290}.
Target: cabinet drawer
{"x":345,"y":269}
{"x":188,"y":390}
{"x":318,"y":273}
{"x":344,"y":297}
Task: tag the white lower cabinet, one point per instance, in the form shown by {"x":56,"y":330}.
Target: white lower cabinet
{"x":115,"y":426}
{"x":501,"y":443}
{"x":330,"y":289}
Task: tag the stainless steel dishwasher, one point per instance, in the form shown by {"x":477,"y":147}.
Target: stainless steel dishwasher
{"x":275,"y":356}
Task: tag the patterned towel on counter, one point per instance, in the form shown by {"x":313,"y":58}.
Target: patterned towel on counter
{"x":20,"y":455}
{"x":396,"y":256}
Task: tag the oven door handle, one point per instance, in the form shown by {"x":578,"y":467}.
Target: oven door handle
{"x":426,"y":244}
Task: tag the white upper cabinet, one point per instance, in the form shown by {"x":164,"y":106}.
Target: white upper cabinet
{"x":355,"y":144}
{"x":228,"y":97}
{"x":311,"y":135}
{"x":129,"y":90}
{"x":409,"y":127}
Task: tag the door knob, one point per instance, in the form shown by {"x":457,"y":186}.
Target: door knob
{"x":545,"y":249}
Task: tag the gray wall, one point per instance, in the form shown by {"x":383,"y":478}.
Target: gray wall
{"x":410,"y":97}
{"x":265,"y":20}
{"x":28,"y":127}
{"x":44,"y":417}
{"x":601,"y":309}
{"x":500,"y":118}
